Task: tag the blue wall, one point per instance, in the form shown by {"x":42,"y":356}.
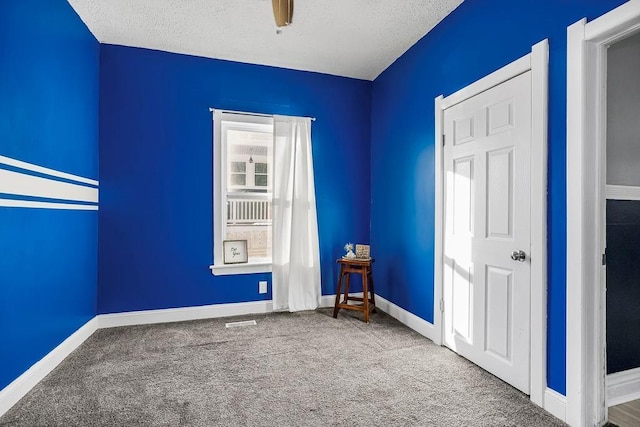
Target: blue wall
{"x":156,"y":174}
{"x":49,"y":65}
{"x":476,"y":39}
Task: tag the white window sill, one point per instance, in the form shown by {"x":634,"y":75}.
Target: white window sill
{"x":229,"y":269}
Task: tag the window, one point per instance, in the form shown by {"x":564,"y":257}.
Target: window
{"x":260,"y":176}
{"x":238,"y":174}
{"x":243,"y":164}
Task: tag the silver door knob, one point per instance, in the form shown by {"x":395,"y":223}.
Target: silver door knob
{"x":518,"y":256}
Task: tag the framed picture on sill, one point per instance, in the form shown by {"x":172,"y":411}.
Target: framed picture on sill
{"x":235,"y":251}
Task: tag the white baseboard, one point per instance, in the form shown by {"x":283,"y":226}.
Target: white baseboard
{"x":555,"y":404}
{"x":15,"y":391}
{"x":623,"y":387}
{"x":330,"y":300}
{"x":414,"y":322}
{"x":182,"y":314}
{"x":146,"y":317}
{"x":327,"y":301}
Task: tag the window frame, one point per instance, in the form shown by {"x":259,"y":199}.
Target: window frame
{"x":222,"y":122}
{"x":244,"y":173}
{"x":265,"y":174}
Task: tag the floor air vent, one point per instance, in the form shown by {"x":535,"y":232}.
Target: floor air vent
{"x":239,"y":324}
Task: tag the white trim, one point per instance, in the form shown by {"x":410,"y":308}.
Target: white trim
{"x":327,"y":301}
{"x":537,"y":62}
{"x":29,"y":185}
{"x":576,"y":407}
{"x":509,"y":71}
{"x":586,"y":195}
{"x":245,"y":113}
{"x":330,"y":300}
{"x":407,"y":318}
{"x":623,"y":387}
{"x":182,"y":314}
{"x":623,"y":192}
{"x":539,"y":132}
{"x":438,"y":222}
{"x":615,"y":24}
{"x":19,"y":387}
{"x":10,"y":203}
{"x":35,"y":168}
{"x":555,"y":404}
{"x":217,"y":189}
{"x":229,"y":269}
{"x":258,"y":122}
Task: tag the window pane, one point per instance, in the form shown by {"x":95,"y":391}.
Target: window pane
{"x":238,"y":179}
{"x":250,"y":219}
{"x":238,"y":167}
{"x":258,"y":239}
{"x":248,"y":158}
{"x":261,"y":168}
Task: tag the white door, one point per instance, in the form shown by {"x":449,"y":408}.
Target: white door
{"x":487,"y":218}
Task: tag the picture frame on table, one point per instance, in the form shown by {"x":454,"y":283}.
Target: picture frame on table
{"x":363,"y":252}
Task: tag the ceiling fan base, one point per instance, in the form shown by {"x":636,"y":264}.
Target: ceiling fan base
{"x":282,"y":12}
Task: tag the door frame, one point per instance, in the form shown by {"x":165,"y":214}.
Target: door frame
{"x":586,"y":196}
{"x":537,"y":62}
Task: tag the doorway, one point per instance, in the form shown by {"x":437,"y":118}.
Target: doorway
{"x":468,"y":334}
{"x":622,"y":230}
{"x":590,"y":201}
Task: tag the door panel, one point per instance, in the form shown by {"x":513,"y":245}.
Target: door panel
{"x":463,"y":195}
{"x":500,"y":193}
{"x":463,"y":128}
{"x":499,"y":283}
{"x":487,"y":203}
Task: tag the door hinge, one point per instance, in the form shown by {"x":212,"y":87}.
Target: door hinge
{"x":441,"y":306}
{"x":443,"y":140}
{"x":604,"y":258}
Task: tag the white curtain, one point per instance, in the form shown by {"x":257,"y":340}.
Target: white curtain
{"x":296,"y":251}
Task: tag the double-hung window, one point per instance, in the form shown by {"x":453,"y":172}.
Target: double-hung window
{"x":243,"y":189}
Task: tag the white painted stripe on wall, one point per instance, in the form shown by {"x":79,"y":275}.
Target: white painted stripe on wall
{"x":623,"y":192}
{"x":35,"y":168}
{"x":10,"y":203}
{"x":28,"y":185}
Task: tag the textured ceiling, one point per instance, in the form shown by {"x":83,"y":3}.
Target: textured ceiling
{"x":352,"y":38}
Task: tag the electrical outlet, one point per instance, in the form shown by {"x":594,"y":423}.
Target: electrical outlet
{"x":262,"y":286}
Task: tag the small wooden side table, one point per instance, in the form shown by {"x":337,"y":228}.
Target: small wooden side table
{"x":362,"y":267}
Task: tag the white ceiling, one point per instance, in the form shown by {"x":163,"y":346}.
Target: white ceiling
{"x":352,"y":38}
